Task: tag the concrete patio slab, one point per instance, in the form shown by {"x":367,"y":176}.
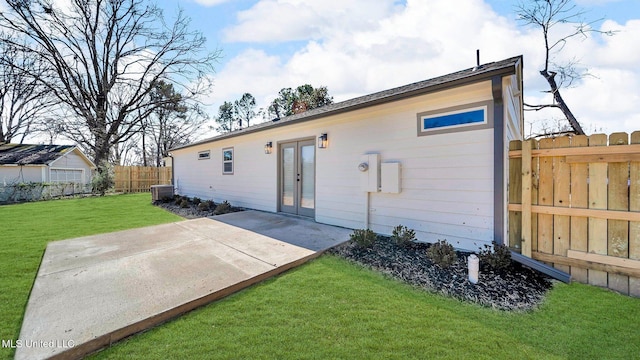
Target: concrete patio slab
{"x":95,"y":290}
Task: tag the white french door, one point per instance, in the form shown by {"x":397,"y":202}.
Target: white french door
{"x":298,"y":177}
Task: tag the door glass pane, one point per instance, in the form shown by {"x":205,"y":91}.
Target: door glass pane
{"x":288,"y":176}
{"x":307,"y":199}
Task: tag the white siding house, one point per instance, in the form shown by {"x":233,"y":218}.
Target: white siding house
{"x":63,"y":167}
{"x":430,"y":155}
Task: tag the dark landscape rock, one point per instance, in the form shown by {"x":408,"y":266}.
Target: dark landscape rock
{"x":191,"y":211}
{"x":514,"y":288}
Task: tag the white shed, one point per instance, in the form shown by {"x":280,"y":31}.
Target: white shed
{"x":63,"y":167}
{"x":431,"y":155}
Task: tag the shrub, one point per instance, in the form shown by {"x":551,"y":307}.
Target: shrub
{"x":363,"y":237}
{"x":498,"y":258}
{"x":196,"y":200}
{"x":210,"y":204}
{"x":442,"y":254}
{"x":184,"y":203}
{"x":179,"y":199}
{"x":103,"y":180}
{"x":222,"y":208}
{"x":403,"y":236}
{"x":203,"y":206}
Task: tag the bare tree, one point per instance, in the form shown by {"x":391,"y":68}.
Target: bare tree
{"x":127,"y":153}
{"x":103,"y":58}
{"x":550,"y":128}
{"x":49,"y":128}
{"x":546,"y":15}
{"x":174,"y":123}
{"x":24,"y":102}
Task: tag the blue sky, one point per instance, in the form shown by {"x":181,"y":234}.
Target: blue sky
{"x":355,"y":47}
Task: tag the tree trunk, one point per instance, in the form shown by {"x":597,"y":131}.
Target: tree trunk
{"x":550,"y":77}
{"x":144,"y":148}
{"x":101,"y":155}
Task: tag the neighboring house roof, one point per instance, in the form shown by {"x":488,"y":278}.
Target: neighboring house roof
{"x":463,"y":77}
{"x":24,"y":154}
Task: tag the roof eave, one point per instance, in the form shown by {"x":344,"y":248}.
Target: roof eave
{"x":19,"y":164}
{"x":481,"y":76}
{"x":70,"y":150}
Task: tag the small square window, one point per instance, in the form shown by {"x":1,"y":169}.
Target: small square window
{"x":204,"y":155}
{"x":227,"y":161}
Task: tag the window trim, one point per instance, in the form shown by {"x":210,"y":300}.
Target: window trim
{"x":204,"y":155}
{"x":224,"y":162}
{"x":486,"y":106}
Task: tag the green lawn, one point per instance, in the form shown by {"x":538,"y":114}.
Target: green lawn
{"x":331,"y":309}
{"x":27,"y":228}
{"x":326,"y":309}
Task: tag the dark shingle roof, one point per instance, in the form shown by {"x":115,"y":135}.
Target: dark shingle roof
{"x":22,"y":154}
{"x":475,"y":74}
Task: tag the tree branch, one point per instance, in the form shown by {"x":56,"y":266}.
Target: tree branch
{"x":103,"y":58}
{"x":531,"y":107}
{"x":545,"y":15}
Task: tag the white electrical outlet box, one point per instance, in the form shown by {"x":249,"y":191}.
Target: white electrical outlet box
{"x":390,"y":173}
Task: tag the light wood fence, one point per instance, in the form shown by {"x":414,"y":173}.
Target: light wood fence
{"x":131,"y":179}
{"x":574,"y":202}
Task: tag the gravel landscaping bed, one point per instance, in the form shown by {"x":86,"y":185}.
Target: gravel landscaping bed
{"x":514,"y":288}
{"x":192,"y":210}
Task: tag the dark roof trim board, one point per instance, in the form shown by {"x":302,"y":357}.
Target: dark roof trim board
{"x":464,"y":77}
{"x":35,"y":155}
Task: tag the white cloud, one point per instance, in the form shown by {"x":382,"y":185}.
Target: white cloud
{"x":290,"y":20}
{"x":609,"y":100}
{"x":407,"y":45}
{"x":250,"y":71}
{"x":400,"y":44}
{"x":621,"y":49}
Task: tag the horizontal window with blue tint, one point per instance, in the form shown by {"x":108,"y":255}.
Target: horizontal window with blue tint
{"x":474,"y":116}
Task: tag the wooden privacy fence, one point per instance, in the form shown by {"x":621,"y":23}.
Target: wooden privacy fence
{"x":574,"y":202}
{"x":130,"y":179}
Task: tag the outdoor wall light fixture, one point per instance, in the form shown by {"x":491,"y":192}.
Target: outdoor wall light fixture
{"x":323,"y":141}
{"x":267,"y":147}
